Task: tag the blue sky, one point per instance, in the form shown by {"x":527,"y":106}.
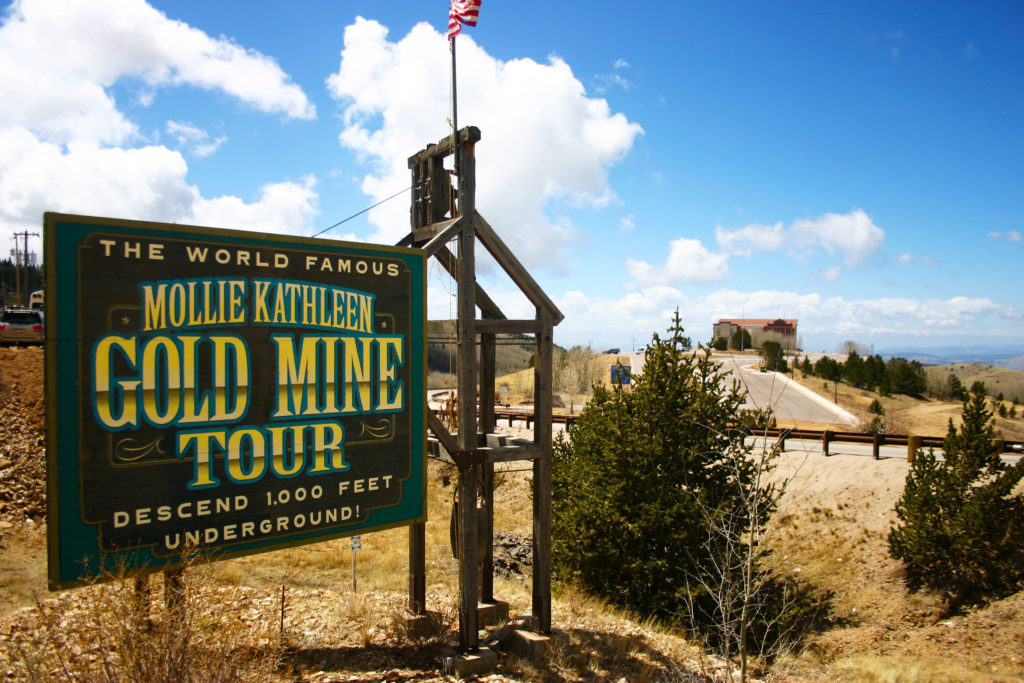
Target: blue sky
{"x":856,"y":166}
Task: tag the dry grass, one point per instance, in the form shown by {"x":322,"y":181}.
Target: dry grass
{"x":997,"y":380}
{"x":903,"y":669}
{"x":112,"y":632}
{"x":596,"y":642}
{"x":381,"y":565}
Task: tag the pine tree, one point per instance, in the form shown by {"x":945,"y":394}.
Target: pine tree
{"x":960,"y":530}
{"x":645,"y":474}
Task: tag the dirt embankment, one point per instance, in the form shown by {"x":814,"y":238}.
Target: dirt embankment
{"x":22,"y":443}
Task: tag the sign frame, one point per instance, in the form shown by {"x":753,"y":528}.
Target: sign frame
{"x":262,"y":416}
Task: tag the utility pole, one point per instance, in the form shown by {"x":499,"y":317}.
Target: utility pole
{"x":19,"y":256}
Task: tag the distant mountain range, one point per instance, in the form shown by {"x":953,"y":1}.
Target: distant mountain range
{"x":1009,"y":357}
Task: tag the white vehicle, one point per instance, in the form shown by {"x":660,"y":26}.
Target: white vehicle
{"x":35,"y":300}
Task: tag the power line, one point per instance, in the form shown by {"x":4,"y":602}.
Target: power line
{"x":346,"y":220}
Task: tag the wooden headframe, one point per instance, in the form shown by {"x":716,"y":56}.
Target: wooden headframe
{"x":440,"y":213}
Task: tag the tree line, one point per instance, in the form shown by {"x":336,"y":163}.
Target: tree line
{"x":894,"y":376}
{"x":29,"y":277}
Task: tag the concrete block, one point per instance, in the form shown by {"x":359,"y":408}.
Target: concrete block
{"x":530,"y":646}
{"x":467,"y":664}
{"x":491,"y":613}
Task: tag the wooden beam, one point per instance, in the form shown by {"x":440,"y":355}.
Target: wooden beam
{"x":469,"y":134}
{"x":442,"y":233}
{"x":418,"y":568}
{"x":491,"y":326}
{"x":441,"y":432}
{"x":469,"y":586}
{"x":507,"y":260}
{"x":439,"y":189}
{"x":542,"y":473}
{"x":513,"y":453}
{"x":487,"y":375}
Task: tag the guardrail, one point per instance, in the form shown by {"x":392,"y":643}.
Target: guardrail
{"x":512,"y":414}
{"x":826,"y":436}
{"x":911,"y":441}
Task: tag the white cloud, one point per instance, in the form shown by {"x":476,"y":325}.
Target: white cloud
{"x":645,"y":310}
{"x":853,"y":234}
{"x":831,"y":274}
{"x":905,"y":259}
{"x":57,"y":60}
{"x":36,"y":176}
{"x":146,"y":183}
{"x":1012,"y":236}
{"x":282,"y":208}
{"x":65,"y":146}
{"x":544,"y":141}
{"x":627,"y":223}
{"x":751,"y":239}
{"x":612,"y":80}
{"x":196,"y":139}
{"x":649,"y":309}
{"x":688,"y":261}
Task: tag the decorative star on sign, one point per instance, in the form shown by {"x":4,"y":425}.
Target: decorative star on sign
{"x":383,"y":324}
{"x":126,"y":320}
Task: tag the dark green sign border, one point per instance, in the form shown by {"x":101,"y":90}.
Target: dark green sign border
{"x":75,"y":553}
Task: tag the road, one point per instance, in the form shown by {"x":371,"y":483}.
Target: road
{"x":789,"y":399}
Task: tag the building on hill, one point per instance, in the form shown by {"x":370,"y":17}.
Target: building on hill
{"x":760,"y":329}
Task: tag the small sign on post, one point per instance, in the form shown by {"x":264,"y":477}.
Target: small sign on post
{"x":357,"y":545}
{"x":620,"y":374}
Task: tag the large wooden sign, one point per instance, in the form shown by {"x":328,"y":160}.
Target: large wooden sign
{"x":225,"y":392}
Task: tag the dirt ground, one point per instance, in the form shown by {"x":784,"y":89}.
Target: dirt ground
{"x":830,"y":532}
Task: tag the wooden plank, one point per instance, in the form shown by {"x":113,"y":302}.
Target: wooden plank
{"x":478,"y":456}
{"x":443,"y":148}
{"x":418,"y":568}
{"x":441,"y":432}
{"x":543,"y":367}
{"x":469,"y":589}
{"x":507,"y":260}
{"x":417,"y":212}
{"x":442,"y":233}
{"x":486,"y":519}
{"x":495,"y":326}
{"x":439,"y":188}
{"x":514,"y":454}
{"x":487,"y":375}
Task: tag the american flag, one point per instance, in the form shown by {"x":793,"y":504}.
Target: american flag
{"x":461,"y":12}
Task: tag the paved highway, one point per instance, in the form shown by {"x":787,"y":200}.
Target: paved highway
{"x":789,"y":400}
